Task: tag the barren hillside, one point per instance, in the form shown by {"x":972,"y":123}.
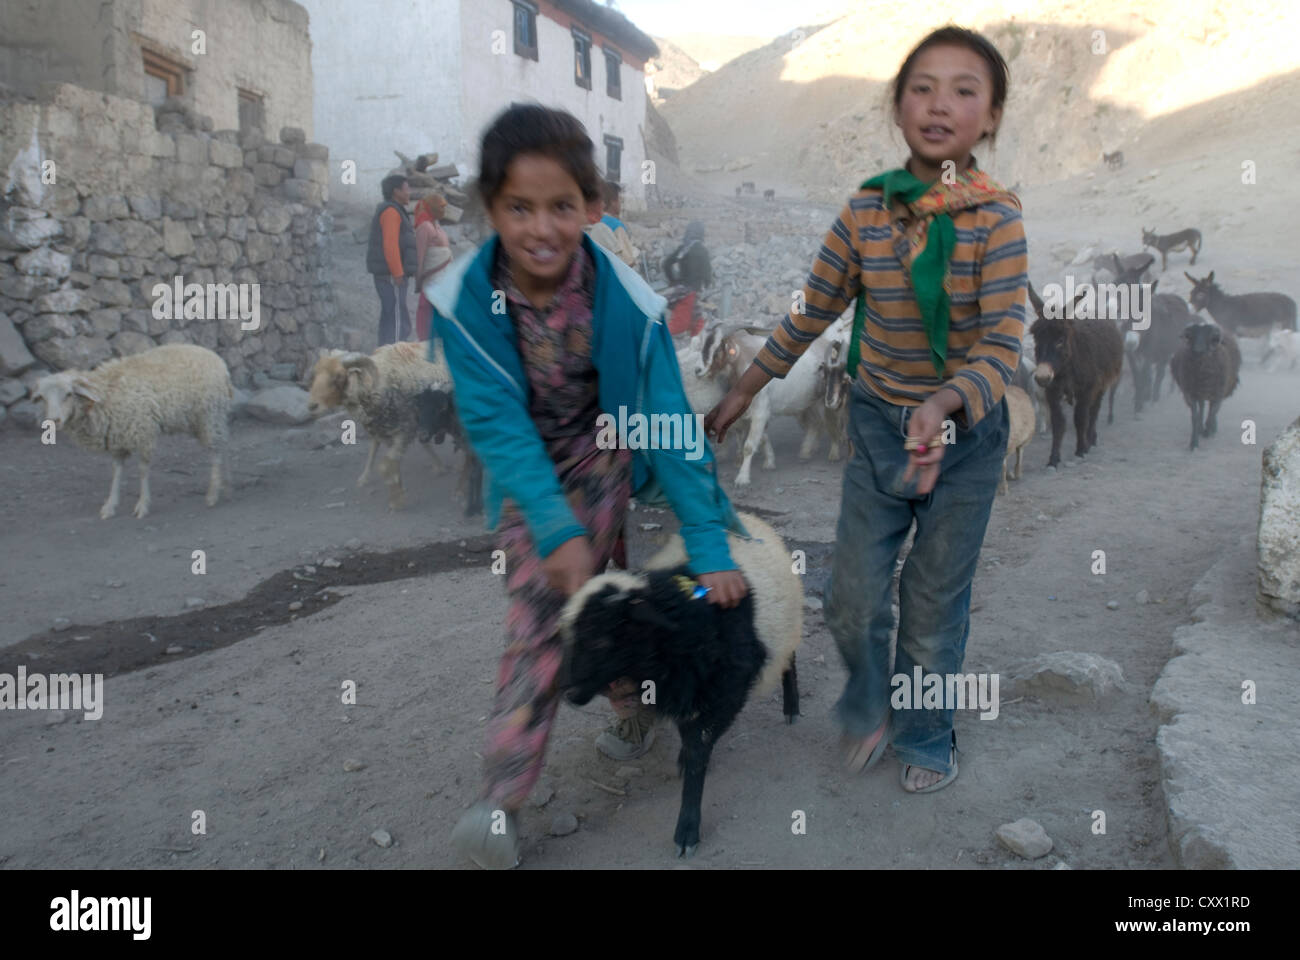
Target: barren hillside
{"x":1161,"y":81}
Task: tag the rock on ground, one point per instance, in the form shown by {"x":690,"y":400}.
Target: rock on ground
{"x":286,"y":405}
{"x":1279,"y":524}
{"x":1025,"y":838}
{"x":1071,"y":674}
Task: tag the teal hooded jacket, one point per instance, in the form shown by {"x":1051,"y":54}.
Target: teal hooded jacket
{"x":636,"y":364}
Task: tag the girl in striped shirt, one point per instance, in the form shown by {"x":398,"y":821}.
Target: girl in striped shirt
{"x":932,"y":258}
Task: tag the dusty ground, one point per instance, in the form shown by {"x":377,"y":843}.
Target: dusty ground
{"x":253,"y":732}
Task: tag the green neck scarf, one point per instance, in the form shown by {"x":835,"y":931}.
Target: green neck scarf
{"x":928,"y":269}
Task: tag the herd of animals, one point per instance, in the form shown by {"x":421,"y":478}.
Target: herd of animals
{"x":652,"y":624}
{"x":398,"y":396}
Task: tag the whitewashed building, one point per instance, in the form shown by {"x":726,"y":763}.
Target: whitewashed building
{"x":429,"y":75}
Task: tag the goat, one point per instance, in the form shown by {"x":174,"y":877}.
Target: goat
{"x":1182,"y":240}
{"x":1149,"y":350}
{"x":1077,"y":361}
{"x":1113,"y":160}
{"x":1021,"y":412}
{"x":380,"y":391}
{"x":123,"y":405}
{"x":1206,"y":369}
{"x":436,"y":415}
{"x":723,"y":359}
{"x":1245,"y":314}
{"x":701,"y":659}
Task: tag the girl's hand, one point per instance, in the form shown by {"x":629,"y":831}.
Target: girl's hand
{"x":569,"y":566}
{"x":726,"y":587}
{"x":727,"y":412}
{"x":925,"y":424}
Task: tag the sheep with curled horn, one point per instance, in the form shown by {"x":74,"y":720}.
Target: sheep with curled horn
{"x":380,"y":391}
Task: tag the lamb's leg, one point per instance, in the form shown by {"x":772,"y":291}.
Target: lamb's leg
{"x":790,"y":692}
{"x":110,"y":505}
{"x":390,"y":468}
{"x":1212,"y":418}
{"x":1002,"y":478}
{"x":692,"y":763}
{"x":365,"y":474}
{"x":769,"y":457}
{"x":214,"y":480}
{"x":439,"y":468}
{"x":1020,"y":454}
{"x":142,"y":505}
{"x":1196,"y":423}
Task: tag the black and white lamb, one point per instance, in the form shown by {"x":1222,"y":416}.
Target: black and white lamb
{"x":703,"y":660}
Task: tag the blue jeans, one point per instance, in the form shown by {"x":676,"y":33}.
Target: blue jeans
{"x":392,"y":301}
{"x":876,"y":513}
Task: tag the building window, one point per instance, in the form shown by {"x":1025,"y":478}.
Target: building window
{"x":581,"y":59}
{"x":525,"y":29}
{"x":613,"y":157}
{"x":252,"y":111}
{"x":163,"y":78}
{"x":613,"y":81}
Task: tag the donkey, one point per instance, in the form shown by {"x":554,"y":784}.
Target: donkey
{"x":1149,"y":350}
{"x":1182,"y":240}
{"x":1078,"y":361}
{"x":1114,"y":160}
{"x":1246,"y":314}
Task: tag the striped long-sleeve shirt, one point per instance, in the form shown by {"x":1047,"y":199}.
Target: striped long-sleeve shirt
{"x":989,"y":270}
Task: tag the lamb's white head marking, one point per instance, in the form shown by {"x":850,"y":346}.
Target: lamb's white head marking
{"x":625,"y":582}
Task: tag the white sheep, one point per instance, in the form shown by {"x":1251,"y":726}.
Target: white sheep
{"x":380,"y":391}
{"x":121,"y":406}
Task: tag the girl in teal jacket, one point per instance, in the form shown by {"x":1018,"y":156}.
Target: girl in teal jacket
{"x":555,"y":348}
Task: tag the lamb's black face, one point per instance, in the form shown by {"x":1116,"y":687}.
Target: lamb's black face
{"x":435,"y":410}
{"x":612,"y":638}
{"x":603,"y":650}
{"x":1202,"y":337}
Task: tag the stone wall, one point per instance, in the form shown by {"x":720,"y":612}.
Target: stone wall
{"x":140,"y":196}
{"x":261,"y":46}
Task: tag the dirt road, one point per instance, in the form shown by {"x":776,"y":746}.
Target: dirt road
{"x":246,"y":723}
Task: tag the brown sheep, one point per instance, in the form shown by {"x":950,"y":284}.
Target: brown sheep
{"x":1206,"y":369}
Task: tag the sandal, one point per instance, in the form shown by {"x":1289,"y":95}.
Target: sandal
{"x":877,"y":751}
{"x":938,"y":785}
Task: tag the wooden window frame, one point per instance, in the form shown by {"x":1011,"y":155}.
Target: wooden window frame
{"x":613,"y":76}
{"x":244,"y":95}
{"x":165,"y":68}
{"x":529,"y":8}
{"x":581,"y":57}
{"x":613,"y":172}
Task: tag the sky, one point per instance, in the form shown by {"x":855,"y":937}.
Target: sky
{"x":769,"y":18}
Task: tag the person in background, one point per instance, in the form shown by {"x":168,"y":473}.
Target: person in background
{"x":391,"y":258}
{"x":690,"y":269}
{"x":432,"y":253}
{"x":612,"y":196}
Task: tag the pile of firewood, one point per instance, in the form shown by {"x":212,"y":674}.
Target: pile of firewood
{"x":425,"y":177}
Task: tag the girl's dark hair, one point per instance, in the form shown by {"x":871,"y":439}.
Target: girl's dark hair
{"x":959,"y":37}
{"x":532,"y":128}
